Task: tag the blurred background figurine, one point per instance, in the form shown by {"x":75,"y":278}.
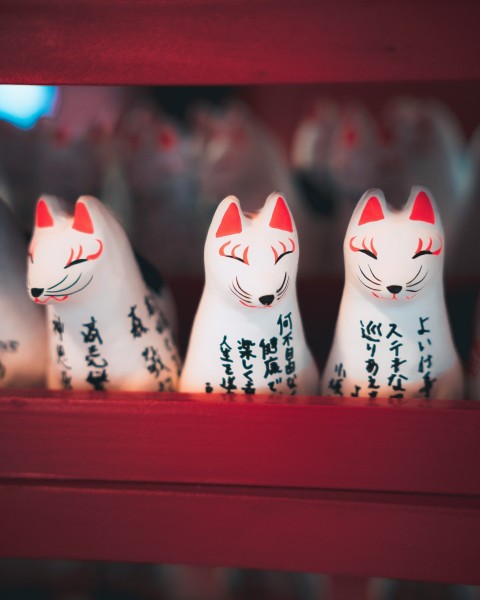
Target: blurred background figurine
{"x":23,"y":344}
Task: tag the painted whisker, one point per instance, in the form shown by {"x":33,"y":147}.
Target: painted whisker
{"x":68,"y":287}
{"x":367,"y":278}
{"x":57,"y":284}
{"x":418,"y":273}
{"x":373,"y":274}
{"x":71,"y":293}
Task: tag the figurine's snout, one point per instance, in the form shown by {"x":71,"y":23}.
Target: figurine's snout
{"x":394,"y":289}
{"x":36,"y":292}
{"x":267,"y":300}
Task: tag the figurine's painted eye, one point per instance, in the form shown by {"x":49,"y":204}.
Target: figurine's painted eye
{"x":371,"y":252}
{"x":78,"y":258}
{"x":242,"y":259}
{"x":422,"y":252}
{"x":75,"y":262}
{"x":284,"y":252}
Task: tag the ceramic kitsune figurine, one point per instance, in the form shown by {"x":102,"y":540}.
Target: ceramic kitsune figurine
{"x":247,"y":335}
{"x":393,"y":337}
{"x":22,"y":326}
{"x":107,"y":329}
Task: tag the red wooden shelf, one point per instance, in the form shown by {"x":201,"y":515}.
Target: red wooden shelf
{"x":317,"y":443}
{"x":216,"y":42}
{"x":337,"y":486}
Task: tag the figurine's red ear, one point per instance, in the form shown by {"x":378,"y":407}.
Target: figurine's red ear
{"x":231,"y":222}
{"x":81,"y":219}
{"x":43,"y":218}
{"x":422,"y":209}
{"x":372,"y":211}
{"x":281,"y":218}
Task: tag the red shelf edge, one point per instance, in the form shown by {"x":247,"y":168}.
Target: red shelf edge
{"x":410,"y":536}
{"x":316,"y":443}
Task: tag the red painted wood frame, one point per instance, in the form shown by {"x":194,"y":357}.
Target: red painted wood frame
{"x":337,"y":486}
{"x":261,"y":41}
{"x":322,"y":485}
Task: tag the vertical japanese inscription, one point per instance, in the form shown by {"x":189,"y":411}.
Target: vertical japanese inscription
{"x":245,"y":351}
{"x":58,"y":331}
{"x":372,"y":334}
{"x":396,"y":377}
{"x":426,"y":361}
{"x":228,"y":381}
{"x":97,"y":375}
{"x":153,"y":361}
{"x":285,"y":326}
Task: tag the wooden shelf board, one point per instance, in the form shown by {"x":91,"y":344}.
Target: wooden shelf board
{"x":215,"y":42}
{"x":316,"y":443}
{"x":433,"y":538}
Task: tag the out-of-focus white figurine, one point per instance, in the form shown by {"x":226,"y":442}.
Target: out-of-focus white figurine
{"x":463,"y":260}
{"x":236,"y":154}
{"x":427,"y":146}
{"x":107,"y":329}
{"x":336,"y":154}
{"x":22,"y":328}
{"x":320,"y":194}
{"x":65,"y":163}
{"x":151,"y":185}
{"x":354,"y":155}
{"x":247,"y":335}
{"x":18,"y":155}
{"x":393,"y":337}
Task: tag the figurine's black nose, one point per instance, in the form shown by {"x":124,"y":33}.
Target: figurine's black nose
{"x":394,"y":289}
{"x":36,"y":292}
{"x":267,"y":300}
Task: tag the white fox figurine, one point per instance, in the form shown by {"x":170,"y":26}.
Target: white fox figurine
{"x":393,"y":337}
{"x":22,"y":327}
{"x":247,"y":335}
{"x":107,"y":329}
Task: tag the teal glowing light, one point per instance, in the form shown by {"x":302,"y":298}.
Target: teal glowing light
{"x":23,"y":105}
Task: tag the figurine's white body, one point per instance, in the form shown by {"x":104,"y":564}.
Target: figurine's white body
{"x":22,"y":326}
{"x":393,"y":337}
{"x":248,"y":336}
{"x":107,"y":330}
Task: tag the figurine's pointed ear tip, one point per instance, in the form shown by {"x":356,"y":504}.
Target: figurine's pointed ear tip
{"x":229,"y":211}
{"x":371,"y":206}
{"x":230,"y":198}
{"x":281,"y":217}
{"x":226,"y":202}
{"x":82,"y":220}
{"x":43,"y":215}
{"x":374,"y":192}
{"x":87,"y":200}
{"x":422,"y":205}
{"x":275,"y":197}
